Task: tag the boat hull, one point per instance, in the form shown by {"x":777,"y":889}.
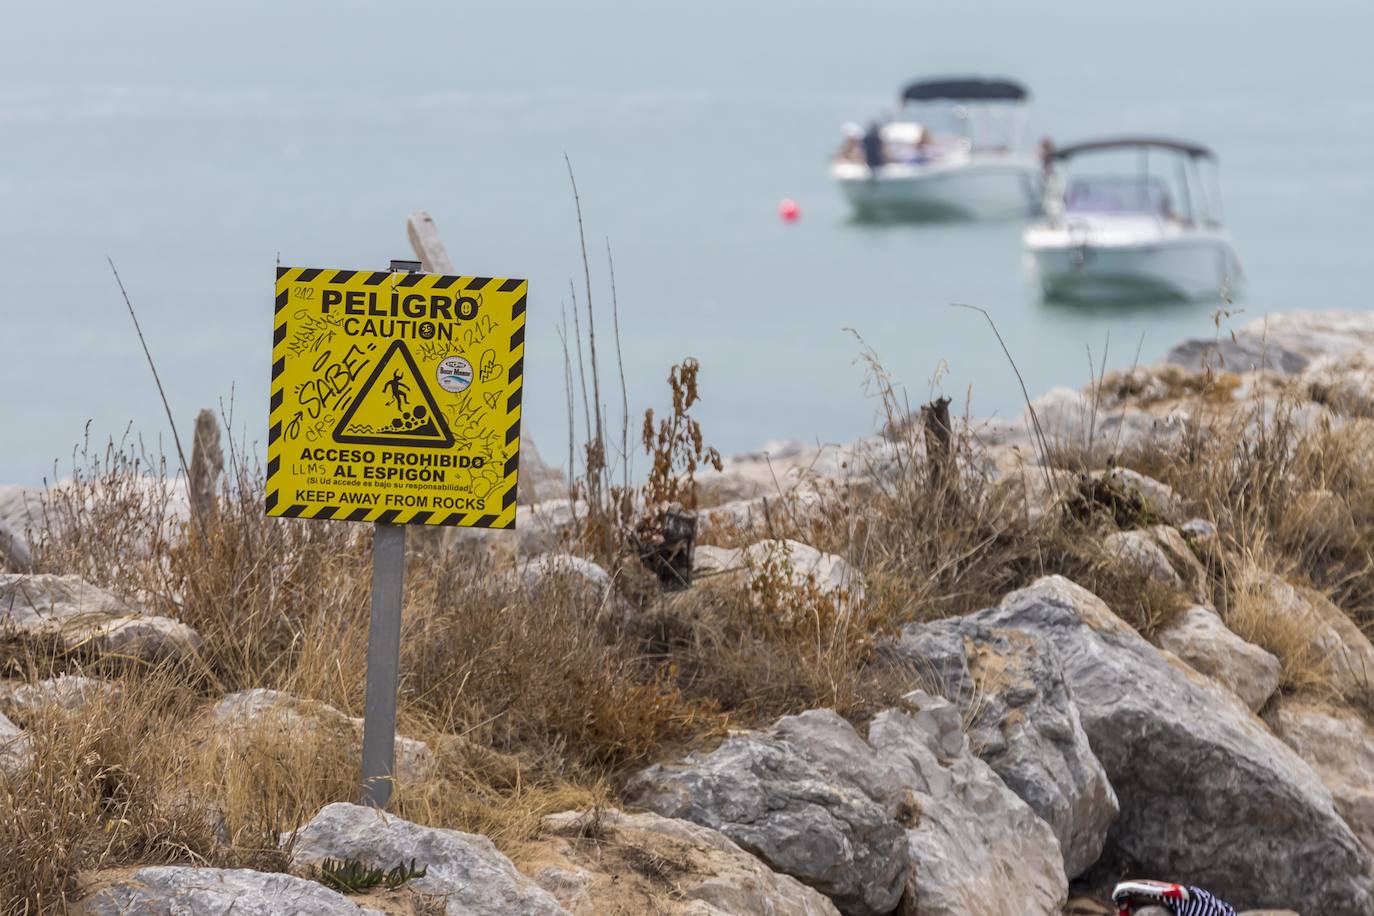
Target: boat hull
{"x":978,"y":188}
{"x":1180,"y":269}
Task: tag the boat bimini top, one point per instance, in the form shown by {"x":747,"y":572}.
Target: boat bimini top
{"x":1183,"y":147}
{"x":965,"y":89}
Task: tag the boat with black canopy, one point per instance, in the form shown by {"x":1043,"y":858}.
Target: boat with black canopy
{"x":1133,"y":218}
{"x":955,"y":148}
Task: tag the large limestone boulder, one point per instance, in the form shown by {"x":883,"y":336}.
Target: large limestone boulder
{"x":907,"y":815}
{"x":245,"y":715}
{"x":143,"y":636}
{"x":464,"y":869}
{"x":167,"y":890}
{"x":765,"y":795}
{"x":33,"y":603}
{"x":972,"y":842}
{"x":1208,"y":795}
{"x":1201,"y":639}
{"x":1339,"y":745}
{"x":1023,"y":722}
{"x":609,"y":861}
{"x":1285,"y":343}
{"x":89,"y":619}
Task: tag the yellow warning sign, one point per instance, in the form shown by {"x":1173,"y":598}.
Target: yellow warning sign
{"x":396,"y":397}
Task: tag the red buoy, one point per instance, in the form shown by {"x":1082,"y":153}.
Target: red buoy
{"x":789,"y":210}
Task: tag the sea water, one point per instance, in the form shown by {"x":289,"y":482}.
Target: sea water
{"x":199,"y":146}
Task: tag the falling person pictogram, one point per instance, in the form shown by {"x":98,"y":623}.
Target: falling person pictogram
{"x":379,"y":415}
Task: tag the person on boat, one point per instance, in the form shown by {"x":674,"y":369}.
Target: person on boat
{"x":852,"y":149}
{"x":925,"y":145}
{"x":1160,"y":898}
{"x":1047,"y":156}
{"x":874,"y":155}
{"x":1053,"y":199}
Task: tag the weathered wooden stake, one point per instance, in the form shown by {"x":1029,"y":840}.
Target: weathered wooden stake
{"x":207,"y":463}
{"x":939,"y":439}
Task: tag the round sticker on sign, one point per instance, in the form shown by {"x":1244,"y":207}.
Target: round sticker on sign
{"x":455,"y":374}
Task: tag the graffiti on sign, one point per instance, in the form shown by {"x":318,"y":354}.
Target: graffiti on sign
{"x":396,"y":397}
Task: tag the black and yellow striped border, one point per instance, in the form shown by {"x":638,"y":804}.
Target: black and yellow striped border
{"x":292,"y":276}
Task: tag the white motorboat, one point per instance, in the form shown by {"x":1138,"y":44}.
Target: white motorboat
{"x":1133,"y":235}
{"x":954,"y":150}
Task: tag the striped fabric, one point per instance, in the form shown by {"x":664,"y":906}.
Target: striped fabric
{"x":1201,"y":903}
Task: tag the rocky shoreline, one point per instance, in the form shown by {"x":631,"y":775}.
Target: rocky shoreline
{"x":1041,"y":748}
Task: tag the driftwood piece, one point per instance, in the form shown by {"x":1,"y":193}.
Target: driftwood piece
{"x":429,"y":248}
{"x":939,"y":439}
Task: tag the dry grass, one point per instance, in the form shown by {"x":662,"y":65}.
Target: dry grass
{"x":102,"y":789}
{"x":1251,"y":615}
{"x":757,"y":645}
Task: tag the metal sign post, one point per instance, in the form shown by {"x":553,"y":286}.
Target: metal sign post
{"x":383,"y":663}
{"x":384,"y":650}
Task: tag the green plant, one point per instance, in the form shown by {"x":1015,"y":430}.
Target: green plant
{"x":351,"y":876}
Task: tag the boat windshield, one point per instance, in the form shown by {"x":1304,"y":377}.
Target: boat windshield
{"x":1128,"y":194}
{"x":983,"y":126}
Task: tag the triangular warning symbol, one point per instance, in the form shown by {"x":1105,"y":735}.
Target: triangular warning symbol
{"x":394,"y":407}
